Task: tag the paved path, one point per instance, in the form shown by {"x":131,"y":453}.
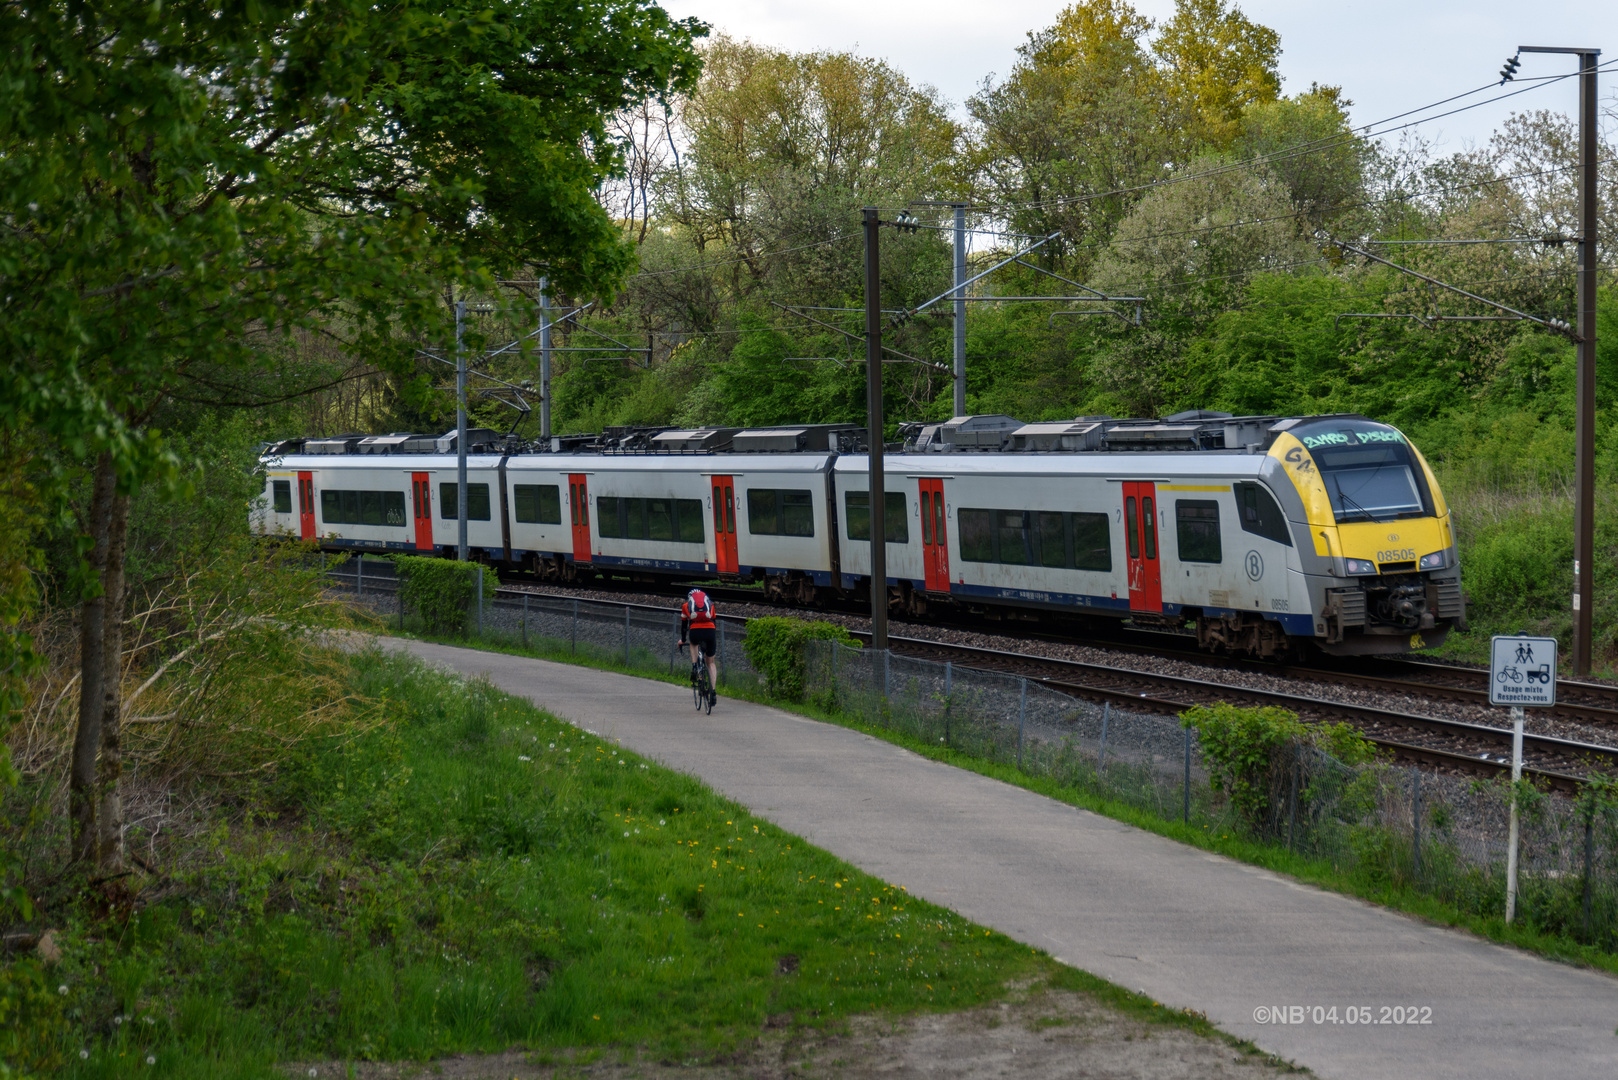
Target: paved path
{"x":1189,"y":928}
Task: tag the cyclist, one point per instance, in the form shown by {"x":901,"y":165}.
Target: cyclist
{"x":697,"y":628}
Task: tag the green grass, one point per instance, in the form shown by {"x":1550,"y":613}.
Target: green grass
{"x":481,"y":875}
{"x":1398,"y":896}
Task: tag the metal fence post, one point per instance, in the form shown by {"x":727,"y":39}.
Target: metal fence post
{"x":721,"y":624}
{"x":1022,"y":720}
{"x":480,"y":599}
{"x":1589,"y":865}
{"x":626,"y":635}
{"x":575,"y":625}
{"x":1292,"y":804}
{"x":1415,"y":815}
{"x":525,"y":620}
{"x":1185,"y":812}
{"x":885,"y":668}
{"x":949,"y":691}
{"x":359,"y":576}
{"x":674,"y":622}
{"x":1101,"y":759}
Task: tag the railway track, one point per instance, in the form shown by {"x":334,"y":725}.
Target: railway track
{"x":1450,"y":744}
{"x":1435,"y":741}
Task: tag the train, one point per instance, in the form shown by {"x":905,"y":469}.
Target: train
{"x":1268,"y":536}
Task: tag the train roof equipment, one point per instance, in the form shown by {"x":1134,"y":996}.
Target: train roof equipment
{"x":1193,"y":431}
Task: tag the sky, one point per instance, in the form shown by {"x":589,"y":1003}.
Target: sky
{"x":1387,"y":56}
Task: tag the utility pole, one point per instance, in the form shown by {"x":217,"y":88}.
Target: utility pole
{"x":960,"y":309}
{"x":544,"y":360}
{"x":460,"y":431}
{"x":1584,"y":428}
{"x":873,"y":433}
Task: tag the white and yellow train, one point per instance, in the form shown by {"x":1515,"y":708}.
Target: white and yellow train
{"x":1262,"y":533}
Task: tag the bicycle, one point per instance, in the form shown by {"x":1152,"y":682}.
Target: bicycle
{"x":701,"y":691}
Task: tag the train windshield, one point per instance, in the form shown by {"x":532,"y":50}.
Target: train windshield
{"x":1368,"y":470}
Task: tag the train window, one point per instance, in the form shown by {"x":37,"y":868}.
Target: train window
{"x":764,"y":512}
{"x":477,"y":502}
{"x":1259,"y":514}
{"x":730,"y":511}
{"x":977,"y":534}
{"x":573,"y":503}
{"x":1131,"y":528}
{"x":783,"y":512}
{"x":362,"y":507}
{"x":896,"y":520}
{"x":688,"y":520}
{"x":1011,"y":529}
{"x":1197,"y":522}
{"x":610,"y":516}
{"x":282,"y":492}
{"x":1052,"y":539}
{"x":1148,"y":521}
{"x":537,"y":504}
{"x":927,"y":518}
{"x":797,"y":513}
{"x":654,"y":520}
{"x":634,"y":513}
{"x":1092,"y":542}
{"x":660,"y":519}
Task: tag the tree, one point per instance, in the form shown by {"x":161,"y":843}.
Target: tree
{"x":1081,"y":119}
{"x":183,"y":186}
{"x":1219,"y":63}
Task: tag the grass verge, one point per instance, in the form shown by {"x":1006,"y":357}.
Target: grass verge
{"x":1323,"y":874}
{"x":476,"y":875}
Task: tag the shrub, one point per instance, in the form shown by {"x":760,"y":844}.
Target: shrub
{"x":441,"y":591}
{"x":774,"y":646}
{"x":1248,"y":751}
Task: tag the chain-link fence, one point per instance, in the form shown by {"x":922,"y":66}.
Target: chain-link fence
{"x":1386,"y":825}
{"x":633,"y":637}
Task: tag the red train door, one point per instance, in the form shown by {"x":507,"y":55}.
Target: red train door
{"x":724,"y":525}
{"x":578,"y":501}
{"x":934,"y":536}
{"x":306,"y":505}
{"x":1140,"y":541}
{"x":421,"y":496}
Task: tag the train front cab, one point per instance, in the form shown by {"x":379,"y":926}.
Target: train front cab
{"x":1375,"y":539}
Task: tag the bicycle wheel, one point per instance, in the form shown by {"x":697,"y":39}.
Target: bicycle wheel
{"x":697,"y":692}
{"x":711,"y":696}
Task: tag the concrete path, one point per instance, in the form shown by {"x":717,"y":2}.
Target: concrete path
{"x":1189,"y":928}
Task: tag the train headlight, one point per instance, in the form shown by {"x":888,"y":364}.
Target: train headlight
{"x":1359,"y":566}
{"x":1435,"y":561}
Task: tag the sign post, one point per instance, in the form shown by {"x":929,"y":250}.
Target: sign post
{"x":1522,"y":674}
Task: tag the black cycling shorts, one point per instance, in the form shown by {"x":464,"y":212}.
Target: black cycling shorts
{"x":706,"y":640}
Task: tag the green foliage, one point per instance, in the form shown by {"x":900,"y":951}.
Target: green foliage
{"x":33,"y":1021}
{"x":774,"y":647}
{"x":478,"y":876}
{"x":441,"y":591}
{"x":1249,"y":749}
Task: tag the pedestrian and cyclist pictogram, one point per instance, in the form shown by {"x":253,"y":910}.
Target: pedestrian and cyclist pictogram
{"x":1522,"y":671}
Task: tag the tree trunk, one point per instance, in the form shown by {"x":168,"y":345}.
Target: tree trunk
{"x":110,"y":811}
{"x":92,"y":667}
